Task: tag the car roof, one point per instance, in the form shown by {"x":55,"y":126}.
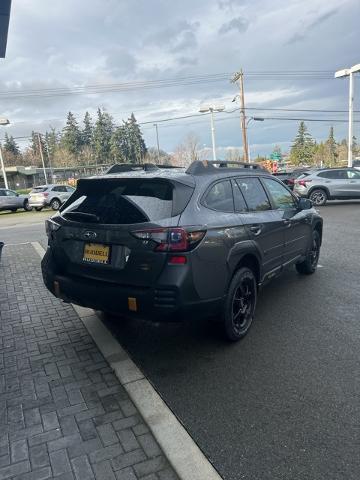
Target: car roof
{"x":187,"y":176}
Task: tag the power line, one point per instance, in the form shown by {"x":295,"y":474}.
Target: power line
{"x":92,"y":89}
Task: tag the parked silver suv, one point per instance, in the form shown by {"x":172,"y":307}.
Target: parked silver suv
{"x":329,"y":184}
{"x":49,"y":195}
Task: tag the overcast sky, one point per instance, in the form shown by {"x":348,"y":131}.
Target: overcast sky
{"x":84,"y":42}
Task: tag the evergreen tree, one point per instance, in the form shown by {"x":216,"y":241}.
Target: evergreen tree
{"x":302,"y":150}
{"x":87,"y":132}
{"x":103,"y":131}
{"x":10,"y":145}
{"x":331,"y":147}
{"x":51,"y":142}
{"x":71,"y":136}
{"x":137,"y":145}
{"x":119,"y":146}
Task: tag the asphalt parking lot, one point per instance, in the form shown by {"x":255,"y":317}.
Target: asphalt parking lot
{"x":284,"y":402}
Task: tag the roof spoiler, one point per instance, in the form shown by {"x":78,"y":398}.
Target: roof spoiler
{"x":200,"y":167}
{"x":130,"y":167}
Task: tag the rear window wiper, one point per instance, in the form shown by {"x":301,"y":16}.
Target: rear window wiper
{"x":90,"y":217}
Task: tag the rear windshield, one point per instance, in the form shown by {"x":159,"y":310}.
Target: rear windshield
{"x":126,"y":201}
{"x":38,"y":189}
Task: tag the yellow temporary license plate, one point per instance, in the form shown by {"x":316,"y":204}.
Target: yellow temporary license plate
{"x":96,"y":253}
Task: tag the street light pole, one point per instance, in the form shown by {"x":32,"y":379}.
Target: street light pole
{"x":349,"y":72}
{"x":351,"y":117}
{"x":211,"y":110}
{"x":213,"y":133}
{"x":42,"y":158}
{"x":3,"y":168}
{"x":255,"y":119}
{"x":3,"y":121}
{"x":157,"y":141}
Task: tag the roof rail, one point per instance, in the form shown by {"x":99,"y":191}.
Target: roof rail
{"x":130,"y":167}
{"x":200,"y":167}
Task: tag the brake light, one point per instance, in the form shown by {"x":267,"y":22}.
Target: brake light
{"x":170,"y":239}
{"x":303,"y":182}
{"x":46,"y":194}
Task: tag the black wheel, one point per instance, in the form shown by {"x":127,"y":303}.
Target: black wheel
{"x":240,"y":303}
{"x":318,"y":197}
{"x":38,"y":209}
{"x":55,"y":204}
{"x":309,"y":265}
{"x":27,"y":207}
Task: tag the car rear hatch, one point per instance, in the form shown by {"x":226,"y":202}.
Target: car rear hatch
{"x":38,"y":194}
{"x":96,"y":235}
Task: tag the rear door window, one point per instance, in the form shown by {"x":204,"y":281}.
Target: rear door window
{"x":220,"y":197}
{"x":254,"y":194}
{"x":126,"y":201}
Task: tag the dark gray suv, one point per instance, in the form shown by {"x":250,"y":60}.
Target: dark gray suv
{"x":161,"y":243}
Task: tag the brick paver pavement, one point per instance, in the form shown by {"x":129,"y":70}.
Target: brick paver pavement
{"x":63,"y":413}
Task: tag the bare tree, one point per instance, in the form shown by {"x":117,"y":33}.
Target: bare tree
{"x":187,"y":151}
{"x":234,"y":154}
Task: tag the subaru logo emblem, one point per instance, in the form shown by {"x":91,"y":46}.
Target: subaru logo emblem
{"x":90,"y":235}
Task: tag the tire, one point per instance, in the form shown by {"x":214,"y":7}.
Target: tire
{"x":13,"y":210}
{"x":309,"y":265}
{"x":239,"y":305}
{"x":319,"y":197}
{"x":38,"y":209}
{"x":27,"y":207}
{"x":55,"y":204}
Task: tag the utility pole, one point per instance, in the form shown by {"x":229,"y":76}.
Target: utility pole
{"x":239,"y":77}
{"x":42,"y":158}
{"x":157,"y":141}
{"x":3,"y":169}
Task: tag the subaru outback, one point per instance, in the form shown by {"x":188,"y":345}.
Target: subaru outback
{"x":163,"y":243}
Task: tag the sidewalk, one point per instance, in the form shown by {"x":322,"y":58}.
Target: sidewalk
{"x":63,"y":413}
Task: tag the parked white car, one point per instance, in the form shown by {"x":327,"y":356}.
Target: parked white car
{"x":49,"y":196}
{"x":10,"y":200}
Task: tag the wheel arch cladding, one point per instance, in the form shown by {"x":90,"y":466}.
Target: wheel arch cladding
{"x":319,"y":228}
{"x":251,"y":261}
{"x":320,"y":187}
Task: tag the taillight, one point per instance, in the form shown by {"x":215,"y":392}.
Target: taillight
{"x":170,"y":239}
{"x":46,"y":194}
{"x":303,"y":182}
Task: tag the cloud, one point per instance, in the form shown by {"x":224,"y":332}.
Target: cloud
{"x":240,"y":24}
{"x":175,"y":38}
{"x":297,"y":37}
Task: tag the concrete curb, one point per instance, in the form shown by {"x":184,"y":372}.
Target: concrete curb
{"x":182,"y":452}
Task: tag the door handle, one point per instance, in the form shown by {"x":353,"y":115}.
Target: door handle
{"x":287,"y":222}
{"x":256,"y":229}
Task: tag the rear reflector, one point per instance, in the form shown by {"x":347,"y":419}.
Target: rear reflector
{"x":177,"y":260}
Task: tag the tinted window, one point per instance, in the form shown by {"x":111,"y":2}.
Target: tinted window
{"x":334,"y":174}
{"x":254,"y":194}
{"x":38,"y":189}
{"x":282,"y":198}
{"x":2,"y":193}
{"x":220,"y":197}
{"x":70,"y":189}
{"x":59,"y":188}
{"x":126,"y":201}
{"x":240,"y":204}
{"x":353,"y":174}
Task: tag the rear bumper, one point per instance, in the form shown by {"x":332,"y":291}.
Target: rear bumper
{"x":41,"y":203}
{"x":167,"y":303}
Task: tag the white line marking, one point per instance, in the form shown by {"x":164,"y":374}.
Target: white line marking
{"x":183,"y":453}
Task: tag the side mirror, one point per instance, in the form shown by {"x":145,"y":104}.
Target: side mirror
{"x":17,"y":194}
{"x":304,"y":204}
